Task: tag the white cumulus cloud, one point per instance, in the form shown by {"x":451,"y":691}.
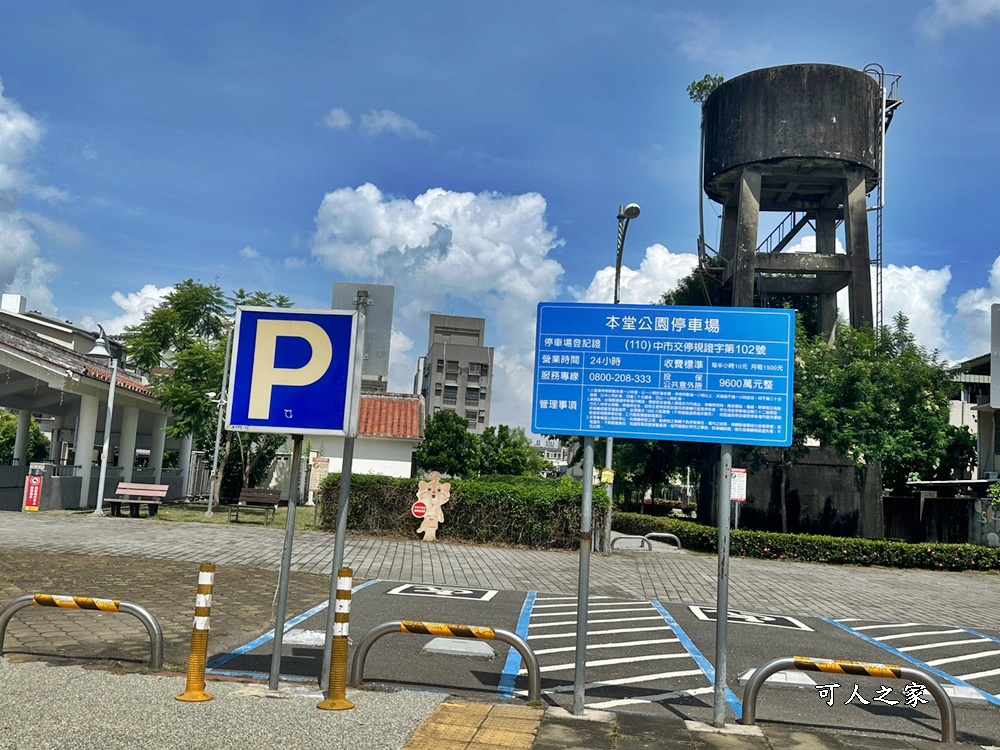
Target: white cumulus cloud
{"x":972,"y":315}
{"x":134,"y":306}
{"x":476,"y":254}
{"x":658,"y":272}
{"x":943,"y":15}
{"x":379,"y":122}
{"x":23,"y":270}
{"x":918,"y":293}
{"x":250,"y":253}
{"x":337,"y":119}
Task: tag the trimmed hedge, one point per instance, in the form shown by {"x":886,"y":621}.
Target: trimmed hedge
{"x":528,"y":511}
{"x":821,"y":549}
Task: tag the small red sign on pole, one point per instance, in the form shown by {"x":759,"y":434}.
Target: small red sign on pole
{"x":32,"y":493}
{"x":419,"y":509}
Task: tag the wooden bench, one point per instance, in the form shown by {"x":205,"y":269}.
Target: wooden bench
{"x":256,"y":500}
{"x":135,"y":494}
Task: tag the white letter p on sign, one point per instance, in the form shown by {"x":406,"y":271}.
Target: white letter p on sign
{"x":266,"y":376}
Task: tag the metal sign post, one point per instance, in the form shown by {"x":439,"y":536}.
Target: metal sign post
{"x":346,"y":472}
{"x":286,"y":568}
{"x":722,"y":588}
{"x":652,"y":372}
{"x":293,"y":372}
{"x":583,"y":581}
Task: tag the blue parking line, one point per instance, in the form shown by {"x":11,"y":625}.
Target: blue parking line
{"x":505,"y":690}
{"x":926,"y":667}
{"x":703,"y":663}
{"x":269,"y":635}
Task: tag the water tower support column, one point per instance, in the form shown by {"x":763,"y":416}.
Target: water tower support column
{"x":856,"y":231}
{"x":741,"y":245}
{"x":826,"y":244}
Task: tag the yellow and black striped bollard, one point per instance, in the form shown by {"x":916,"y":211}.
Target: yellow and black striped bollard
{"x":76,"y":602}
{"x":195,"y":691}
{"x":337,"y":697}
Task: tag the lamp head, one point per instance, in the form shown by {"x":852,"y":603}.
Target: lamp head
{"x":631,"y":211}
{"x":100,"y":349}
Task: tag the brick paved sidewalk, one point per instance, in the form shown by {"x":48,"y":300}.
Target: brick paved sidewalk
{"x":766,"y":586}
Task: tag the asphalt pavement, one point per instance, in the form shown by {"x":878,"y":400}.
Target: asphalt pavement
{"x":105,"y":681}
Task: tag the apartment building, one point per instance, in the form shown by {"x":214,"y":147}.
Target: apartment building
{"x":457,"y":372}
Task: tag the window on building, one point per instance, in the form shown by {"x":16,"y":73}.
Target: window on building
{"x":472,"y":397}
{"x":482,"y":394}
{"x":482,"y":416}
{"x":451,"y":394}
{"x":475,"y":368}
{"x":451,"y":371}
{"x":440,"y":365}
{"x":471,"y":417}
{"x":437,"y":389}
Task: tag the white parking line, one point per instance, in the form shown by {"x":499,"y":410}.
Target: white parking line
{"x":612,"y":631}
{"x":964,"y":657}
{"x":647,"y":608}
{"x":942,"y":644}
{"x":887,"y":625}
{"x":651,"y":698}
{"x":627,"y":680}
{"x":977,"y":675}
{"x":592,"y":646}
{"x":914,"y":635}
{"x":609,"y":662}
{"x":573,"y":622}
{"x":591,"y":602}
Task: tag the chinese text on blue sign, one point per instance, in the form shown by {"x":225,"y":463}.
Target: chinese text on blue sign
{"x":292,"y":371}
{"x":703,"y":374}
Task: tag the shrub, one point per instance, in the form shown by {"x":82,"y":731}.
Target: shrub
{"x":821,"y":549}
{"x":529,"y":511}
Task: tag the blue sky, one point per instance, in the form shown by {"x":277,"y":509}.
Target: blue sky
{"x":472,"y":154}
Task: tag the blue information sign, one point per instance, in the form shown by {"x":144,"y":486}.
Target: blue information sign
{"x":292,"y":372}
{"x":701,"y":374}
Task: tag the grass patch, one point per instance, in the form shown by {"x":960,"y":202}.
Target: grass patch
{"x":305,"y":516}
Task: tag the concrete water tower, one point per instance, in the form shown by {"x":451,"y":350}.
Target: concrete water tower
{"x":807,"y":140}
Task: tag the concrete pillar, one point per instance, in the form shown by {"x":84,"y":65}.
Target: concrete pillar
{"x":159,"y":438}
{"x":826,"y":244}
{"x":746,"y":238}
{"x":21,"y":437}
{"x":187,"y":442}
{"x":83,"y":444}
{"x":856,"y":231}
{"x":56,"y":440}
{"x":126,"y":449}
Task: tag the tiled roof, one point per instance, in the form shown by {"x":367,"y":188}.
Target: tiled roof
{"x":397,"y":415}
{"x":126,"y":380}
{"x":33,"y":348}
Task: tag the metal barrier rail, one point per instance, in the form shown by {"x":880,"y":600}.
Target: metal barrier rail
{"x":448,"y":631}
{"x":864,"y":669}
{"x":643,"y":541}
{"x":85,"y":602}
{"x":664,"y":537}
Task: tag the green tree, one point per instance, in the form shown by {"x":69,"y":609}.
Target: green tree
{"x":699,"y":91}
{"x":183,"y":342}
{"x":38,"y":444}
{"x":508,"y":451}
{"x":449,"y":447}
{"x":878,"y":398}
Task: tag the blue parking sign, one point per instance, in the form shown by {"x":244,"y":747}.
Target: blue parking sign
{"x":652,"y":372}
{"x":293,"y":372}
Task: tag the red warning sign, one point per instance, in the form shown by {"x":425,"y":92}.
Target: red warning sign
{"x":419,"y":509}
{"x":33,"y":492}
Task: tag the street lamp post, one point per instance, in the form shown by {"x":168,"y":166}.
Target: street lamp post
{"x":101,"y":351}
{"x":213,"y":477}
{"x":625,"y":215}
